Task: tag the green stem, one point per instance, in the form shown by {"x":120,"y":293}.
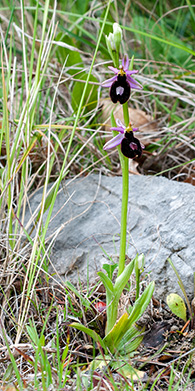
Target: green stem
{"x":125,"y":194}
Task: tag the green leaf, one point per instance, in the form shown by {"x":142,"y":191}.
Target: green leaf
{"x":65,"y":353}
{"x":181,"y":286}
{"x":177,"y":305}
{"x":100,"y":362}
{"x":113,"y":338}
{"x":91,"y":333}
{"x":32,"y":332}
{"x":119,"y":364}
{"x":88,"y":40}
{"x":127,"y":371}
{"x":141,"y":304}
{"x":90,"y":98}
{"x":109,"y":268}
{"x":106,"y":281}
{"x":81,"y":6}
{"x":72,"y":57}
{"x":42,"y":340}
{"x":8,"y":375}
{"x":131,"y":340}
{"x":123,"y":279}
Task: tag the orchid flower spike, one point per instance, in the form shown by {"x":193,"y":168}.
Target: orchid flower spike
{"x":121,"y":84}
{"x":131,"y":147}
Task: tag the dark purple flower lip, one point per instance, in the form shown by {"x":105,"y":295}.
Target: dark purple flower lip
{"x":121,"y":84}
{"x":120,"y":89}
{"x":131,"y":147}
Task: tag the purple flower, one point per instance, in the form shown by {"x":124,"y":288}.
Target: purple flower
{"x":130,"y":145}
{"x":121,"y":84}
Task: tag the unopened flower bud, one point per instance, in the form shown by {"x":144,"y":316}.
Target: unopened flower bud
{"x":110,"y":45}
{"x":111,"y":41}
{"x":140,"y":261}
{"x":117,"y":33}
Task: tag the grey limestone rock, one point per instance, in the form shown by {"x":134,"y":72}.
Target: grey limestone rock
{"x":161,"y":224}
